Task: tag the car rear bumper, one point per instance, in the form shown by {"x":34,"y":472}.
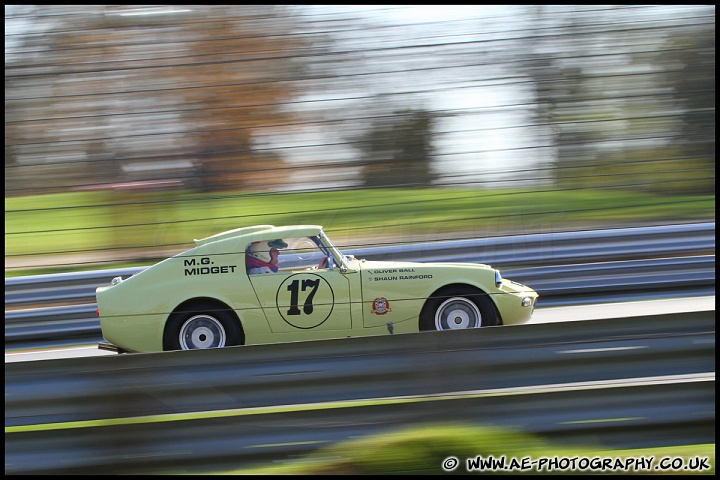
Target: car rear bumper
{"x":110,"y":347}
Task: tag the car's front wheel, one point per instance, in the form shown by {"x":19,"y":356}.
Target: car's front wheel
{"x":202,"y":326}
{"x":458,"y":308}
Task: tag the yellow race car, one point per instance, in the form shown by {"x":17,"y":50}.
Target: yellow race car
{"x":268,"y":284}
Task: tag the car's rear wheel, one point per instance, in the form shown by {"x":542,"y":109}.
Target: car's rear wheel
{"x":202,"y":326}
{"x":458,"y":308}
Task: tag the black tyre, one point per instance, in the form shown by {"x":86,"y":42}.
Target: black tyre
{"x":202,"y":325}
{"x":458,"y":308}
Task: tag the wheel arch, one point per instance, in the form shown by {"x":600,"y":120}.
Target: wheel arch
{"x":445,"y":289}
{"x":195,"y":303}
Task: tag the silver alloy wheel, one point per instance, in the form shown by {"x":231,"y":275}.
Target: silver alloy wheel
{"x":457,"y":313}
{"x":202,"y":331}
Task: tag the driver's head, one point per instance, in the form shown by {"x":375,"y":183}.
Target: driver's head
{"x":266,"y":251}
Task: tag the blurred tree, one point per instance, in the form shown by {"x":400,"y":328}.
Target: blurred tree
{"x":10,"y":134}
{"x":562,"y":87}
{"x":602,"y":98}
{"x":693,"y":85}
{"x":397,"y":150}
{"x":243,"y":61}
{"x":151,"y":88}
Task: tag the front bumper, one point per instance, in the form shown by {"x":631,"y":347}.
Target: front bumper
{"x":516,"y":303}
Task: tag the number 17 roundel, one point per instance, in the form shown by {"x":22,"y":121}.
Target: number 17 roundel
{"x":305,"y":300}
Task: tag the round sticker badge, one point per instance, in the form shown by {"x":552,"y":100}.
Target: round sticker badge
{"x":381,"y":306}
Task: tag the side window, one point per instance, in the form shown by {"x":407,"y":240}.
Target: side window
{"x":284,"y":255}
{"x":302,"y":253}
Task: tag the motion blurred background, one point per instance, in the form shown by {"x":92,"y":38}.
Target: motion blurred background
{"x":131,"y":130}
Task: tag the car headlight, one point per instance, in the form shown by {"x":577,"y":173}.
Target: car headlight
{"x":498,"y":278}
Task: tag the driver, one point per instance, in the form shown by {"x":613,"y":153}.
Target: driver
{"x":262,"y":257}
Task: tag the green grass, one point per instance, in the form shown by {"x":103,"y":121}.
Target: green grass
{"x":97,"y":222}
{"x":422,"y":450}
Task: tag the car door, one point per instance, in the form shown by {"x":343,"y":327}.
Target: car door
{"x":304,"y":300}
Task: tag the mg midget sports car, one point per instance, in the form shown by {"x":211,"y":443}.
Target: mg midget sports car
{"x":268,"y":284}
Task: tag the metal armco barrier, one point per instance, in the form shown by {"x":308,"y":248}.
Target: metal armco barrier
{"x":625,"y":382}
{"x":565,"y":268}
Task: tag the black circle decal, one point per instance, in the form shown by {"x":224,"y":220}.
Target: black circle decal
{"x":305,"y":300}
